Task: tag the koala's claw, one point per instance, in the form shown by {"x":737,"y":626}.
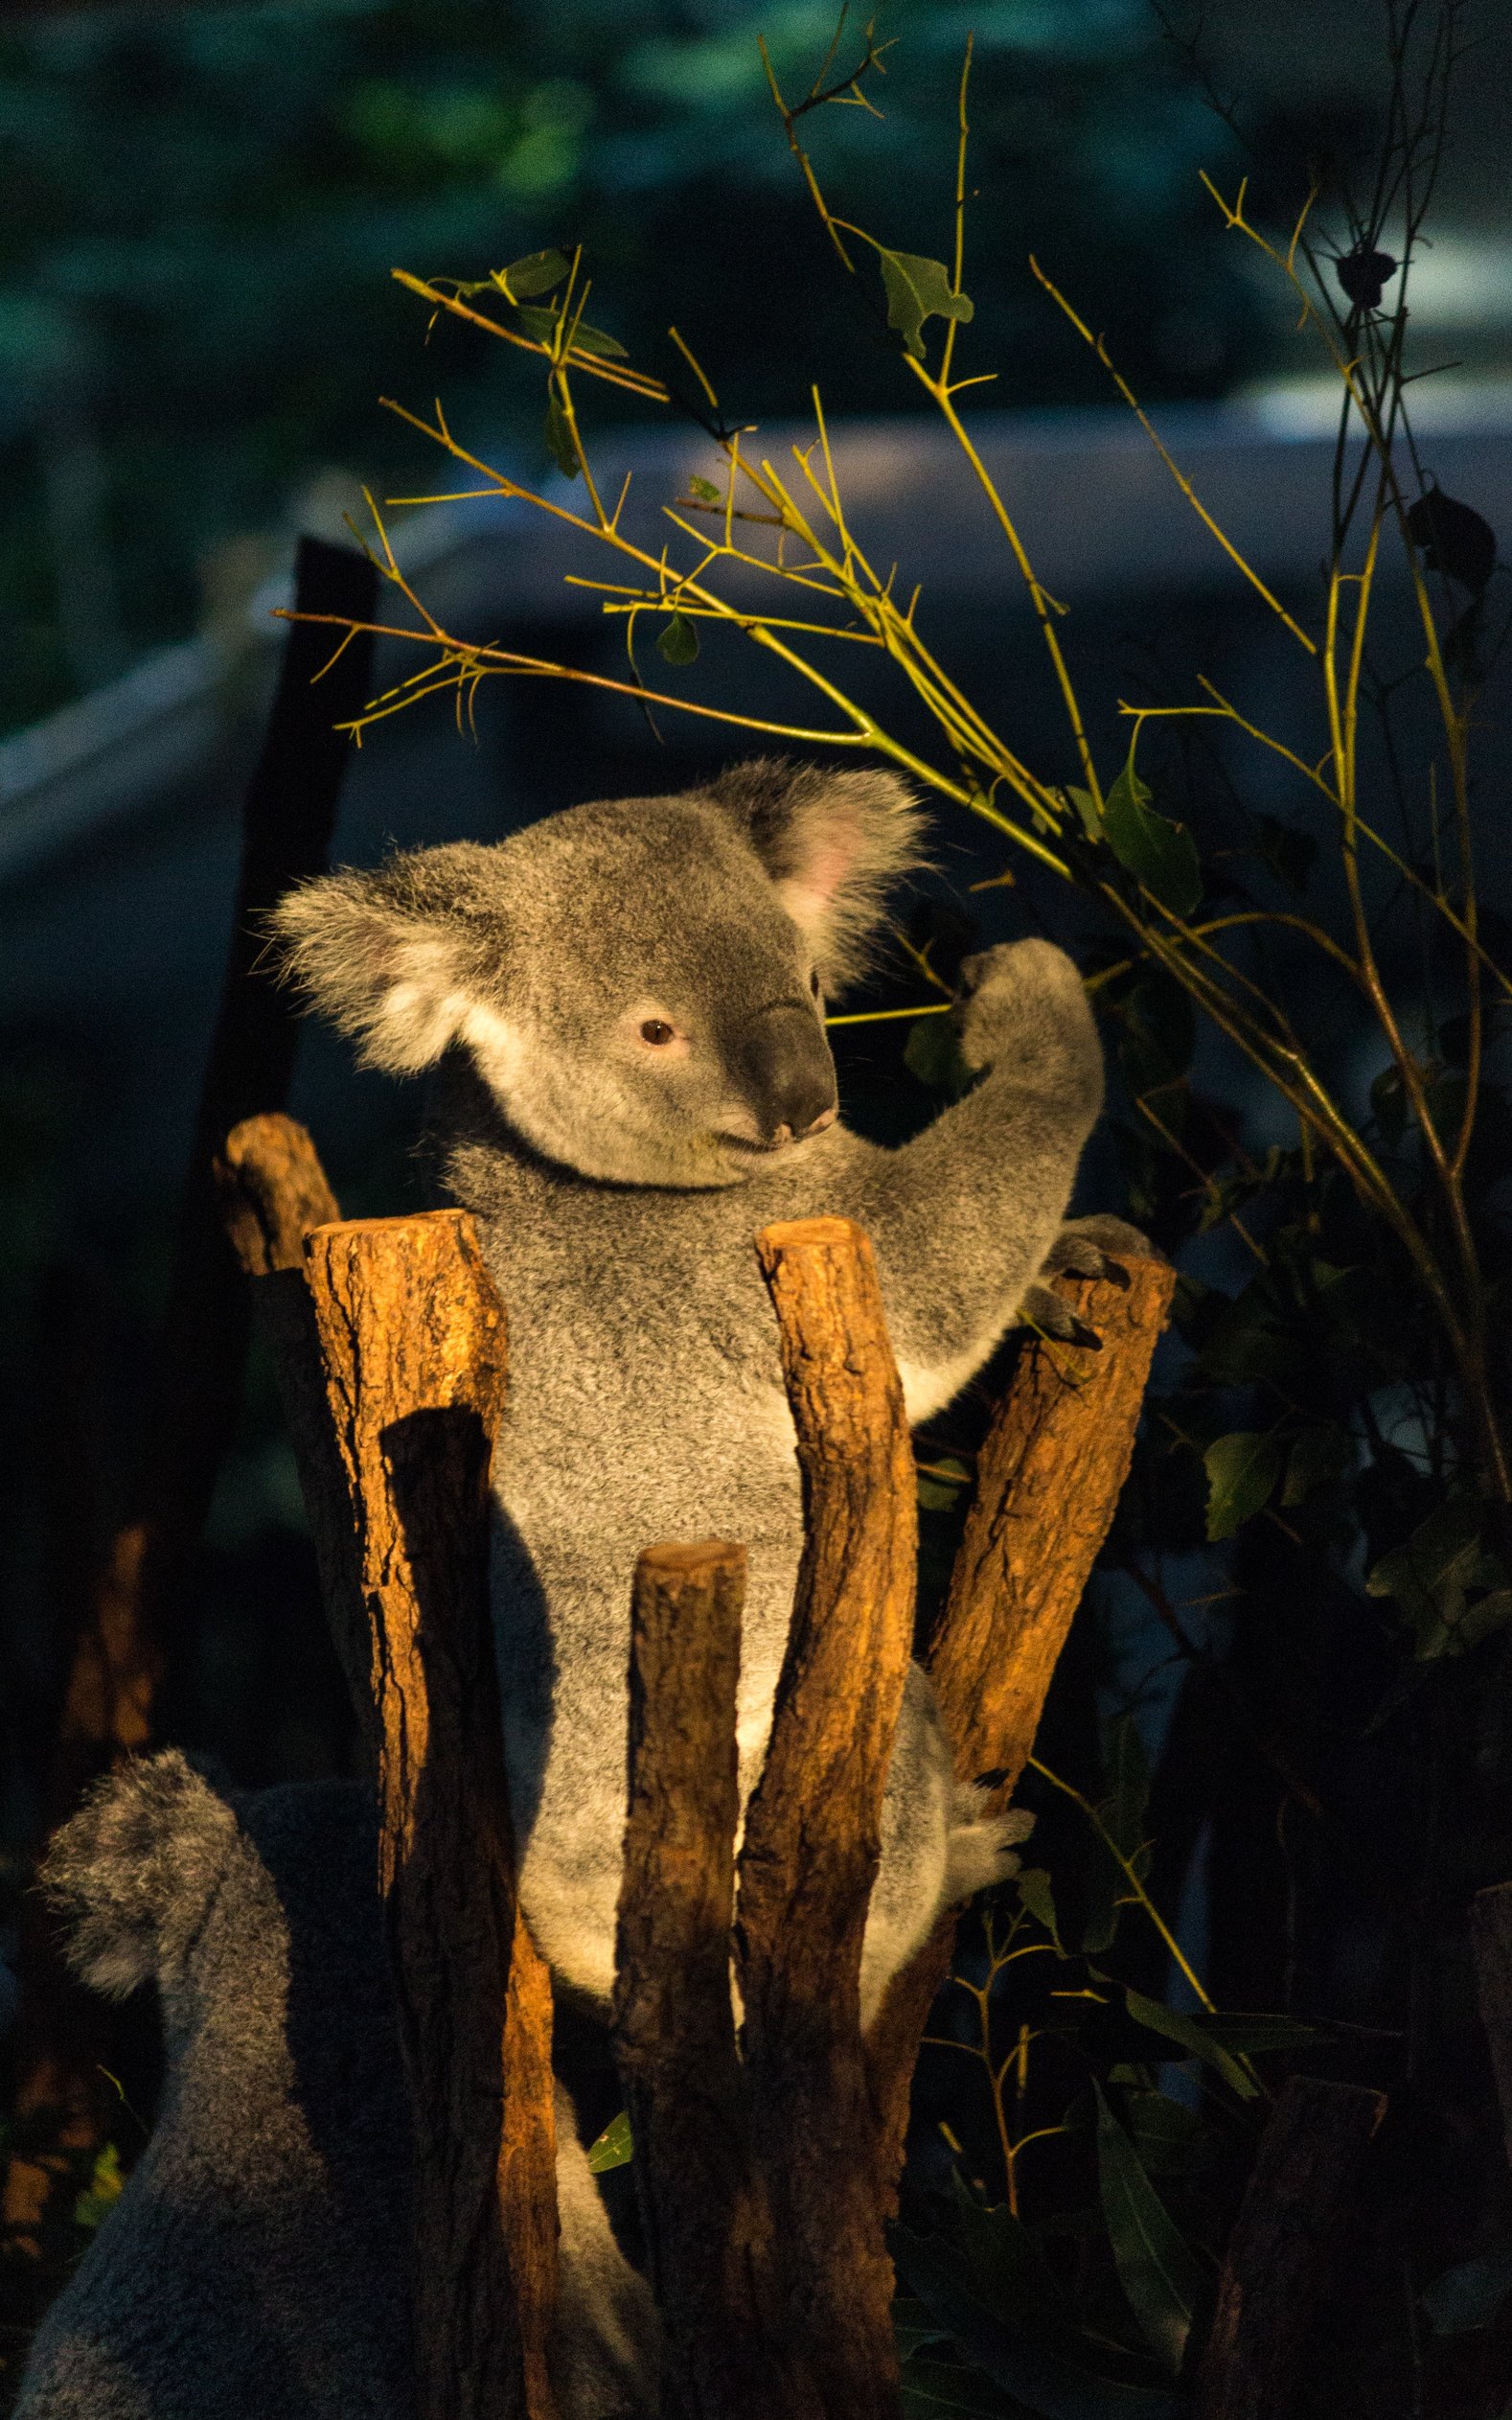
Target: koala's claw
{"x":983,"y":1847}
{"x":1089,"y":1248}
{"x":1042,"y":1308}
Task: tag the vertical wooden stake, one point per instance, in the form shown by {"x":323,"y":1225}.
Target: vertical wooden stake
{"x":391,"y":1359}
{"x":813,"y":1825}
{"x":1049,"y":1479}
{"x":708,"y":2216}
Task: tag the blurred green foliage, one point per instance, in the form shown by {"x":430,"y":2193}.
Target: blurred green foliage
{"x":203,"y":207}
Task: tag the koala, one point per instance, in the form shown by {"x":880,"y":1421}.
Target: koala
{"x":623,"y":1007}
{"x":259,"y":2257}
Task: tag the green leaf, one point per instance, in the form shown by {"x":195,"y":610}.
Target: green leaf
{"x":1242,"y":1469}
{"x":1246,"y":1339}
{"x":1006,"y":2264}
{"x":919,"y":290}
{"x":613,"y":2148}
{"x":705,"y":490}
{"x":1035,"y":1894}
{"x":1470,"y":2295}
{"x":1156,"y":1027}
{"x":1052,"y":2385}
{"x":103,"y":2191}
{"x":933,"y":1053}
{"x":1170,"y":2138}
{"x":1431,"y":1575}
{"x":1086,"y":806}
{"x":1251,"y":2034}
{"x":1160,"y":2277}
{"x":559,"y":437}
{"x":913,"y":2328}
{"x":1158,"y":853}
{"x":543,"y":325}
{"x":679,"y":643}
{"x":1191,"y":2031}
{"x":1122,"y":1811}
{"x":536,"y":274}
{"x":1320,"y":1458}
{"x":940,"y":1485}
{"x":929,"y":2387}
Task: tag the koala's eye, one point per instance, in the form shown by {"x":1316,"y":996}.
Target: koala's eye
{"x":813,"y":982}
{"x":655,"y":1031}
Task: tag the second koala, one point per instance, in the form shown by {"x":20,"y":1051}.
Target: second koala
{"x":626,"y":1004}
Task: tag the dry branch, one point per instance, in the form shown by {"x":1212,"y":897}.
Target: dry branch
{"x":709,"y":2217}
{"x":1491,"y":1936}
{"x":1049,"y":1479}
{"x":812,"y":1830}
{"x":1278,"y":2259}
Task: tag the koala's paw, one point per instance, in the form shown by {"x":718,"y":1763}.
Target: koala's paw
{"x":1098,"y":1248}
{"x":1024,"y":999}
{"x":1084,"y":1248}
{"x":982,"y":1847}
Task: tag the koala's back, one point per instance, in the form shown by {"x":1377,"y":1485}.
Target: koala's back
{"x":255,"y":2263}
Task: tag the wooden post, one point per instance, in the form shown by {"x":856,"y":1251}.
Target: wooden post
{"x":813,"y":1828}
{"x":707,"y":2212}
{"x":272,"y":1192}
{"x":1049,"y":1480}
{"x":389,"y":1348}
{"x":411,"y":1335}
{"x":1276,"y":2263}
{"x":1490,"y":1939}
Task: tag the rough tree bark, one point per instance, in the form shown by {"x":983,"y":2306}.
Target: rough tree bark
{"x":708,"y":2215}
{"x":117,"y":1660}
{"x":1049,"y":1479}
{"x":1491,"y":1938}
{"x":1278,"y":2259}
{"x":813,"y":1828}
{"x":390,"y":1352}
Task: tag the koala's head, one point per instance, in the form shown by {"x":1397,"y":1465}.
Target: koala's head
{"x":640,"y":983}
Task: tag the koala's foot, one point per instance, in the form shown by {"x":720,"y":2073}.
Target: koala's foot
{"x":1086,"y":1248}
{"x":982,"y":1846}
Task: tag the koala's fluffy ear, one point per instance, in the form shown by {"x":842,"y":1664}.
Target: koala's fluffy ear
{"x":134,"y":1871}
{"x":834,"y":843}
{"x":384,"y":955}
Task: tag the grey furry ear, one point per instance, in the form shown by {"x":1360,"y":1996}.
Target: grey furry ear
{"x":834,"y":843}
{"x":384,"y":954}
{"x":134,"y":1873}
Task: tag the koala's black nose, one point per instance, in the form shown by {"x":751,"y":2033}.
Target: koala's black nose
{"x":789,"y":1074}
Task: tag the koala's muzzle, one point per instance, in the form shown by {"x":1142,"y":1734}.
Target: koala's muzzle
{"x":785,"y":1072}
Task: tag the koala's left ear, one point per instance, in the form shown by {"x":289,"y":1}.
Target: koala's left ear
{"x":134,"y":1871}
{"x":834,"y":843}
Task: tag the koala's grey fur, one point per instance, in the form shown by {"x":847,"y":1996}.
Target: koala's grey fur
{"x":626,"y":1005}
{"x":257,"y":2259}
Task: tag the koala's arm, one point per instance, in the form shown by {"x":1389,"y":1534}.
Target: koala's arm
{"x":962,"y":1218}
